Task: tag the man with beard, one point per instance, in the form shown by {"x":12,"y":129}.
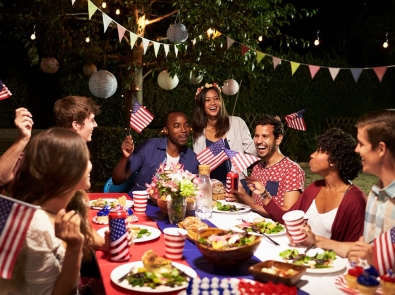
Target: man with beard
{"x":148,"y":156}
{"x":282,"y":178}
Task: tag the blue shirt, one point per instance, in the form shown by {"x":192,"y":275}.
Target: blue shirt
{"x":147,"y":157}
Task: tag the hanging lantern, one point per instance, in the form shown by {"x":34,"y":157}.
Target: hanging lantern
{"x":195,"y":79}
{"x":230,"y":87}
{"x":103,"y":84}
{"x":49,"y":65}
{"x":177,"y":33}
{"x":89,"y":69}
{"x":166,"y":82}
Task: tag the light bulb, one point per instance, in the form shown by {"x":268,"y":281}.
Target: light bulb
{"x":87,"y":40}
{"x":146,"y":21}
{"x":117,"y":12}
{"x":33,"y":36}
{"x":210,"y":32}
{"x":104,"y":5}
{"x":385,"y":44}
{"x":317,"y":42}
{"x":260,"y":38}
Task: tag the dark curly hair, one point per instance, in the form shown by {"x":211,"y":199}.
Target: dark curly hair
{"x":274,"y":121}
{"x":340,"y":146}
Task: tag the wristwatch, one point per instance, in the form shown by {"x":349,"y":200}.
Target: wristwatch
{"x":264,"y":195}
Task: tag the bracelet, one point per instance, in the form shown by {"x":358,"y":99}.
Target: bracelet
{"x":264,"y":195}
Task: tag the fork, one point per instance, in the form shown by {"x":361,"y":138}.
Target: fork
{"x":125,"y":275}
{"x":308,"y":248}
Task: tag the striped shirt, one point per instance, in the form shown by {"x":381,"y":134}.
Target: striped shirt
{"x":380,"y":211}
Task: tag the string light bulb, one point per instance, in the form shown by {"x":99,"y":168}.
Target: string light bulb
{"x":33,"y":36}
{"x":117,"y":12}
{"x":210,"y":31}
{"x":104,"y":5}
{"x":87,"y":40}
{"x":260,"y":38}
{"x":146,"y":21}
{"x":317,"y":41}
{"x":385,"y":44}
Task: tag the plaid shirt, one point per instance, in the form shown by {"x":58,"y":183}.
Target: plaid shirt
{"x":380,"y":211}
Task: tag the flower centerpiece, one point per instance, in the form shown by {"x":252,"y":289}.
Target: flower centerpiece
{"x":173,"y":184}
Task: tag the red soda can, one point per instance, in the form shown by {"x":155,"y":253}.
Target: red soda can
{"x":232,"y":181}
{"x":119,"y":246}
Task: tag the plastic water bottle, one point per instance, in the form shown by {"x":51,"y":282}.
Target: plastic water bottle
{"x":204,"y":203}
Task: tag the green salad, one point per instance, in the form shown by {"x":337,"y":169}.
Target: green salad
{"x":263,"y":227}
{"x":319,"y":260}
{"x":150,"y":279}
{"x":226,"y":207}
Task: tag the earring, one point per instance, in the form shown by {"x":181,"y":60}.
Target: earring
{"x":331,"y":165}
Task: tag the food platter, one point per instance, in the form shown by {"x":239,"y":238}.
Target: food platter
{"x":121,"y":270}
{"x":241,"y":208}
{"x":92,"y":203}
{"x":155,"y":233}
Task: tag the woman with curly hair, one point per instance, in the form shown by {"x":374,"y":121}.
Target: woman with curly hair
{"x":335,"y":207}
{"x":211,"y":123}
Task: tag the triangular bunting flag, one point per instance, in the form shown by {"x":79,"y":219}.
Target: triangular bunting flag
{"x":145,"y":44}
{"x":156,"y":48}
{"x":229,"y":41}
{"x":260,"y":56}
{"x":176,"y":50}
{"x":334,"y":72}
{"x":294,"y":67}
{"x":121,"y":32}
{"x":72,"y":2}
{"x":133,"y":38}
{"x":276,"y":62}
{"x":91,"y":9}
{"x":106,"y":21}
{"x":313,"y":70}
{"x":356,"y":72}
{"x":244,"y":50}
{"x":380,"y":71}
{"x":166,"y":47}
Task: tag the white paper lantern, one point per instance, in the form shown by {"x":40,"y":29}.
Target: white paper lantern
{"x":177,"y":33}
{"x":166,"y":82}
{"x":195,"y":79}
{"x":103,"y":84}
{"x":230,"y":87}
{"x":49,"y":65}
{"x":89,"y":69}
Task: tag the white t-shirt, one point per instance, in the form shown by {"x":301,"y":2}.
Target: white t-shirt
{"x":321,"y":224}
{"x":171,"y":160}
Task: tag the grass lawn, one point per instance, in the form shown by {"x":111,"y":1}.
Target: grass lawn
{"x":364,"y":181}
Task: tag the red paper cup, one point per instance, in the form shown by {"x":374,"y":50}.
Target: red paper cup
{"x":174,"y":242}
{"x":140,"y":199}
{"x":294,"y":220}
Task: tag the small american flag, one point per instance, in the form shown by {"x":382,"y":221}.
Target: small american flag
{"x":240,"y":160}
{"x":140,"y":117}
{"x":296,"y":120}
{"x":213,"y":155}
{"x":119,"y":247}
{"x":15,"y":217}
{"x":4,"y":92}
{"x":384,"y":251}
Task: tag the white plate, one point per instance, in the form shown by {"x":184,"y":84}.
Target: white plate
{"x":242,"y":208}
{"x":124,"y":268}
{"x":129,"y":203}
{"x":155,"y":233}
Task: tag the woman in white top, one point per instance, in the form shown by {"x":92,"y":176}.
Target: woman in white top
{"x":56,"y":165}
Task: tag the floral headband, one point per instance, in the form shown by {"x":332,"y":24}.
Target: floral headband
{"x":207,"y":86}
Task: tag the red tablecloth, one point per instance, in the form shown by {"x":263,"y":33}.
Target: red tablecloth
{"x":137,"y":250}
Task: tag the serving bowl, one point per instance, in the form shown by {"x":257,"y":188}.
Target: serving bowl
{"x":231,"y":257}
{"x":282,"y":267}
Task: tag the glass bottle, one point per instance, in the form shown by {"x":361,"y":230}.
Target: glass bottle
{"x":204,"y":203}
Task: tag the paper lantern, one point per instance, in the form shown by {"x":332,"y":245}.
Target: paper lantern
{"x":166,"y":82}
{"x":49,"y":65}
{"x":103,"y":84}
{"x":177,"y":33}
{"x":230,"y":87}
{"x":89,"y":69}
{"x":195,"y":79}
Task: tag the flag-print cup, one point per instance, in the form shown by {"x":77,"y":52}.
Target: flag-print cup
{"x":140,"y":199}
{"x":174,"y":242}
{"x":293,"y":221}
{"x":119,"y":244}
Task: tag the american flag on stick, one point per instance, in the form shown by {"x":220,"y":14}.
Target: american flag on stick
{"x":15,"y":217}
{"x":241,"y":160}
{"x":384,"y":251}
{"x":4,"y":92}
{"x":119,"y":247}
{"x":140,"y":117}
{"x":213,"y":155}
{"x":296,"y":120}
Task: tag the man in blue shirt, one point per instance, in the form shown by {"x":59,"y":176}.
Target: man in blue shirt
{"x":147,"y":157}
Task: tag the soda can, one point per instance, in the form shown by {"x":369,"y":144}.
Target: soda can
{"x":232,"y":181}
{"x":119,"y":246}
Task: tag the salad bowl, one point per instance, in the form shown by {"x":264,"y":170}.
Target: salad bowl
{"x":226,"y":256}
